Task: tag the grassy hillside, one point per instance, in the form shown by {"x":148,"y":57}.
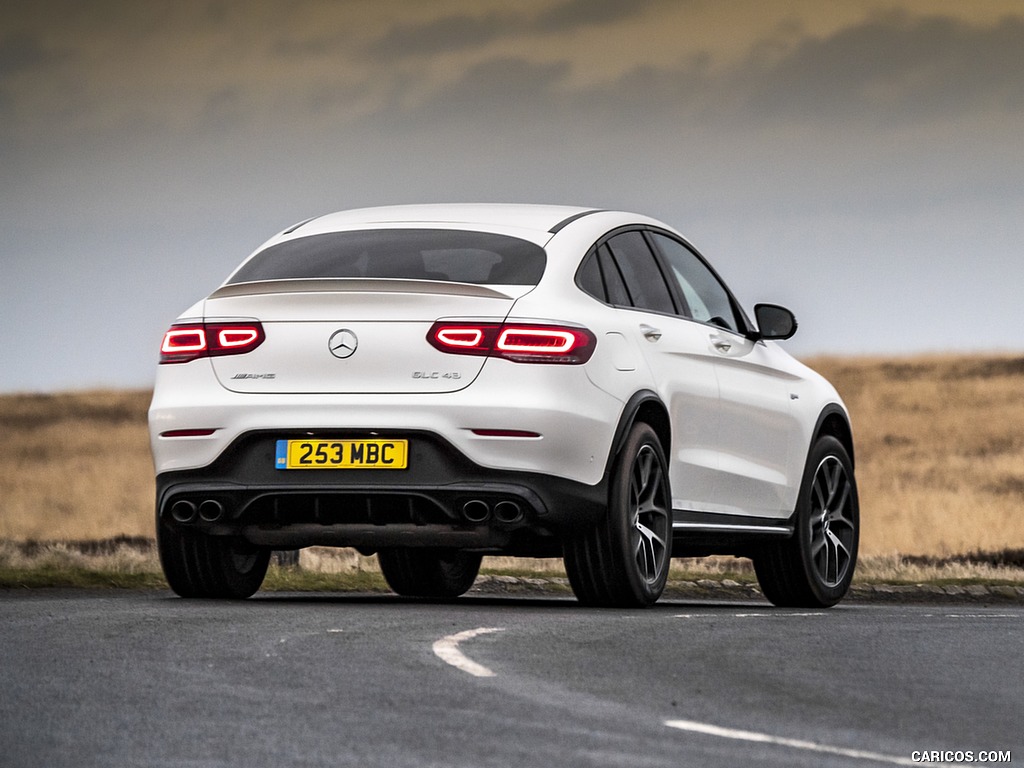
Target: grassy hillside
{"x":940,"y":457}
{"x":940,"y":451}
{"x":75,"y":466}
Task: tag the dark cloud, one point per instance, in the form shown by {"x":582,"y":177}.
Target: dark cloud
{"x":506,"y":93}
{"x":311,"y":47}
{"x":855,"y":100}
{"x":20,"y":52}
{"x":464,"y":31}
{"x":504,"y":82}
{"x":654,"y":96}
{"x":895,"y":68}
{"x":890,"y":71}
{"x":574,"y":14}
{"x":501,"y":94}
{"x":449,"y":33}
{"x":226,"y":109}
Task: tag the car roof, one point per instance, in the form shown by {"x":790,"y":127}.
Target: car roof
{"x":537,"y":218}
{"x":536,"y":223}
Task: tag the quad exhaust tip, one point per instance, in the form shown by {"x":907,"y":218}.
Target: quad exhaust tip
{"x":479,"y":511}
{"x":211,"y":510}
{"x":507,"y":512}
{"x":476,"y":511}
{"x":185,"y":511}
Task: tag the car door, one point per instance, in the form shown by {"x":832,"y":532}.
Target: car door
{"x":758,"y":436}
{"x":672,"y":348}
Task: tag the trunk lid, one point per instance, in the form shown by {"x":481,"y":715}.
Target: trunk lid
{"x":352,"y":336}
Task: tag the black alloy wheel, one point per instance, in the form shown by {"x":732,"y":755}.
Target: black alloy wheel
{"x":199,"y":565}
{"x":623,"y":561}
{"x":814,"y":567}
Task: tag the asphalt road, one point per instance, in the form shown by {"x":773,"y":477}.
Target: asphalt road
{"x":146,"y":679}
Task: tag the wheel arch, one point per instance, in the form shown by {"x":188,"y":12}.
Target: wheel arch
{"x":647,"y":407}
{"x":834,"y":421}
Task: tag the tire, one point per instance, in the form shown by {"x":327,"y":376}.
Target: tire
{"x":623,"y":561}
{"x":429,"y":572}
{"x":198,"y":565}
{"x":814,"y":567}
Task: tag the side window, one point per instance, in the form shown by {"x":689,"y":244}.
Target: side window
{"x":708,"y":299}
{"x":613,"y":283}
{"x":589,"y":278}
{"x":600,"y":278}
{"x":640,"y":272}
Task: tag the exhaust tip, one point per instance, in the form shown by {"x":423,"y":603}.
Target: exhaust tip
{"x":211,"y":510}
{"x":476,"y":511}
{"x":183,"y":511}
{"x":508,"y":512}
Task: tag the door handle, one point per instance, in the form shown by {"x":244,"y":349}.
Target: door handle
{"x":650,"y":332}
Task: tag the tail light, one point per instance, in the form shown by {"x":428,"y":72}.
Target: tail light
{"x":521,"y":343}
{"x":186,"y":342}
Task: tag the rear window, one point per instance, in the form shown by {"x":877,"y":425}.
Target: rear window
{"x":409,"y":254}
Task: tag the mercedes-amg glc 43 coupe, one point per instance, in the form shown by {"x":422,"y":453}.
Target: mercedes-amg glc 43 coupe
{"x":438,"y":383}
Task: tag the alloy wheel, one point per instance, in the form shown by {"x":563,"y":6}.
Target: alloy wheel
{"x":833,"y":530}
{"x":650,"y":515}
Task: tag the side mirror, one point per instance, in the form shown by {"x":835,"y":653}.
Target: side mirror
{"x":774,"y":322}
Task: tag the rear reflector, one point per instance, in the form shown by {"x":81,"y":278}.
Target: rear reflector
{"x":188,"y":433}
{"x":520,"y":433}
{"x":521,"y":343}
{"x":183,"y":343}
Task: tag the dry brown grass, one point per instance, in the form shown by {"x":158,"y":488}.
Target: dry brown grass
{"x":940,"y":451}
{"x":133,"y":562}
{"x":940,"y":457}
{"x":75,"y":466}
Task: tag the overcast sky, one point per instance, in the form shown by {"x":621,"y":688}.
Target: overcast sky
{"x":861,"y":162}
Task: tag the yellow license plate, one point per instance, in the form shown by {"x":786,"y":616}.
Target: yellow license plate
{"x":342,"y":454}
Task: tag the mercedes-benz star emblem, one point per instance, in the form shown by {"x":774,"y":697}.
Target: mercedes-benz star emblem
{"x":343,"y":343}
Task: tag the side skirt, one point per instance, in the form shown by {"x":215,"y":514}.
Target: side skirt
{"x":696,"y":534}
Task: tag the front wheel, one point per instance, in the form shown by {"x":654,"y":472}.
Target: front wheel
{"x":814,"y":568}
{"x":623,"y":561}
{"x":198,"y":565}
{"x":429,"y":573}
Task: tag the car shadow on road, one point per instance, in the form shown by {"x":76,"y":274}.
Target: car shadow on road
{"x":539,"y":602}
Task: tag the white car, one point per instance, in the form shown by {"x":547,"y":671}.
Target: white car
{"x":436,"y":383}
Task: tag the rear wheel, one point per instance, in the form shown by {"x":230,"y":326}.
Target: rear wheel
{"x":429,"y":572}
{"x":623,"y":561}
{"x":814,"y":568}
{"x":198,"y":565}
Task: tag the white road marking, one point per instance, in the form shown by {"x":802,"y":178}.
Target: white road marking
{"x":771,"y":614}
{"x":778,"y":614}
{"x":764,"y":738}
{"x":447,"y":649}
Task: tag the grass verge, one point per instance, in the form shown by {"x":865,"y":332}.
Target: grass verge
{"x":132,"y":563}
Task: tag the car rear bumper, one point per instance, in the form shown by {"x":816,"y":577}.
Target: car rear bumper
{"x":443,"y":499}
{"x":547,"y":420}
